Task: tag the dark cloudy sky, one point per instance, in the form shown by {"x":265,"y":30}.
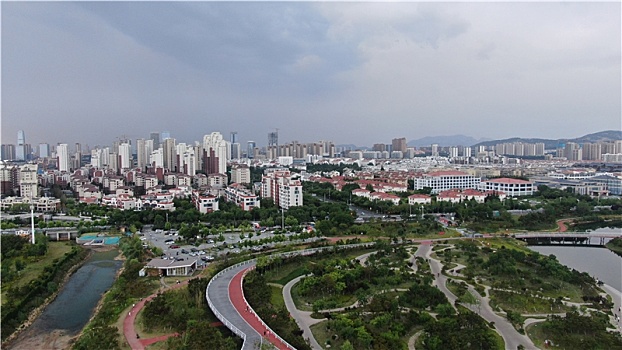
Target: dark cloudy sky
{"x":350,"y":72}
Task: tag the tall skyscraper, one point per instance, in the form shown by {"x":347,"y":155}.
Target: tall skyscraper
{"x":155,"y":136}
{"x":165,"y":135}
{"x":44,"y":150}
{"x":214,"y":154}
{"x":141,"y":154}
{"x":64,"y":161}
{"x":273,"y":143}
{"x":235,"y":146}
{"x":8,"y":152}
{"x":250,"y":149}
{"x":399,"y":144}
{"x":125,"y":155}
{"x":20,"y":151}
{"x":170,"y":154}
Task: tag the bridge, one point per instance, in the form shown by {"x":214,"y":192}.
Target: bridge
{"x":575,"y":238}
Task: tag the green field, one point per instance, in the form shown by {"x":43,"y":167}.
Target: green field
{"x":34,"y":269}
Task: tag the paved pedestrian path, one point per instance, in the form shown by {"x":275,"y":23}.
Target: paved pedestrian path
{"x":129,"y":331}
{"x":510,"y":336}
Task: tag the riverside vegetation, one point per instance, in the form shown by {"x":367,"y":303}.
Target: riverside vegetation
{"x":31,"y":274}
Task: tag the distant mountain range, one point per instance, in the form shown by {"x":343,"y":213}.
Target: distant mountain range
{"x":444,"y":141}
{"x":462,"y":140}
{"x":603,"y":136}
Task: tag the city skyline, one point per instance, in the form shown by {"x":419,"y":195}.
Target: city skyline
{"x":359,"y":73}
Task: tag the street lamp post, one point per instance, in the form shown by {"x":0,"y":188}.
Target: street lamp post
{"x":32,"y":223}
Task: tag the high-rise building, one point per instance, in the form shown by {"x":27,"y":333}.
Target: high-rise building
{"x":125,"y":156}
{"x":467,"y":152}
{"x":572,"y":151}
{"x":44,"y":150}
{"x":236,"y":151}
{"x":155,"y":137}
{"x":64,"y":161}
{"x":157,"y":158}
{"x":214,"y":154}
{"x":8,"y":152}
{"x":379,"y":147}
{"x":96,"y":158}
{"x":250,"y":149}
{"x":141,"y":154}
{"x":170,"y":154}
{"x":28,"y":184}
{"x":113,"y":161}
{"x":20,"y":152}
{"x":435,"y":150}
{"x":165,"y":135}
{"x":187,"y":160}
{"x":399,"y":144}
{"x":284,"y":191}
{"x":273,"y":141}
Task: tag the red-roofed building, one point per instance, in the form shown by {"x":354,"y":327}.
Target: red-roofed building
{"x":419,"y":199}
{"x":385,"y":197}
{"x":204,"y":203}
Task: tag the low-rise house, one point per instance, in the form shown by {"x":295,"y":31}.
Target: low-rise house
{"x":165,"y":267}
{"x":419,"y":199}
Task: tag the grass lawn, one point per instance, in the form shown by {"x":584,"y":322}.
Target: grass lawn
{"x":34,"y":269}
{"x":525,"y":304}
{"x":286,"y":273}
{"x":276,"y":299}
{"x":322,"y":335}
{"x":535,"y":333}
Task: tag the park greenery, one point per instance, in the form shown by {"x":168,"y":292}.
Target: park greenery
{"x":383,"y":301}
{"x":185,"y":311}
{"x":30,"y":274}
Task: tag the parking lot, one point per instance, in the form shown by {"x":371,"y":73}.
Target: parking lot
{"x":174,"y":248}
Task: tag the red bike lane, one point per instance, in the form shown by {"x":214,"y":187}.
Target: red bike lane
{"x":236,"y":294}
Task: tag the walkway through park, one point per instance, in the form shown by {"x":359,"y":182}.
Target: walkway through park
{"x":128,"y":323}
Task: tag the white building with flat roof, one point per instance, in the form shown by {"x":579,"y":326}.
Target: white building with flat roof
{"x":511,"y":187}
{"x":445,"y":180}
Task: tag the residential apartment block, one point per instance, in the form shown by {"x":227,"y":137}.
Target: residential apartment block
{"x":241,"y":196}
{"x":279,"y":185}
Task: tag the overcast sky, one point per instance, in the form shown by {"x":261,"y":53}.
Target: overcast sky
{"x":359,"y":73}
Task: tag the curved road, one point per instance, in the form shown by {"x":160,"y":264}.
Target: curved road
{"x":303,"y":318}
{"x":218,"y":292}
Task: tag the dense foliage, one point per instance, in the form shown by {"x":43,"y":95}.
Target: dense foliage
{"x":257,"y":293}
{"x":577,"y":331}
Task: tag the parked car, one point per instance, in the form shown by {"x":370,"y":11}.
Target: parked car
{"x":183,"y":251}
{"x":174,"y":246}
